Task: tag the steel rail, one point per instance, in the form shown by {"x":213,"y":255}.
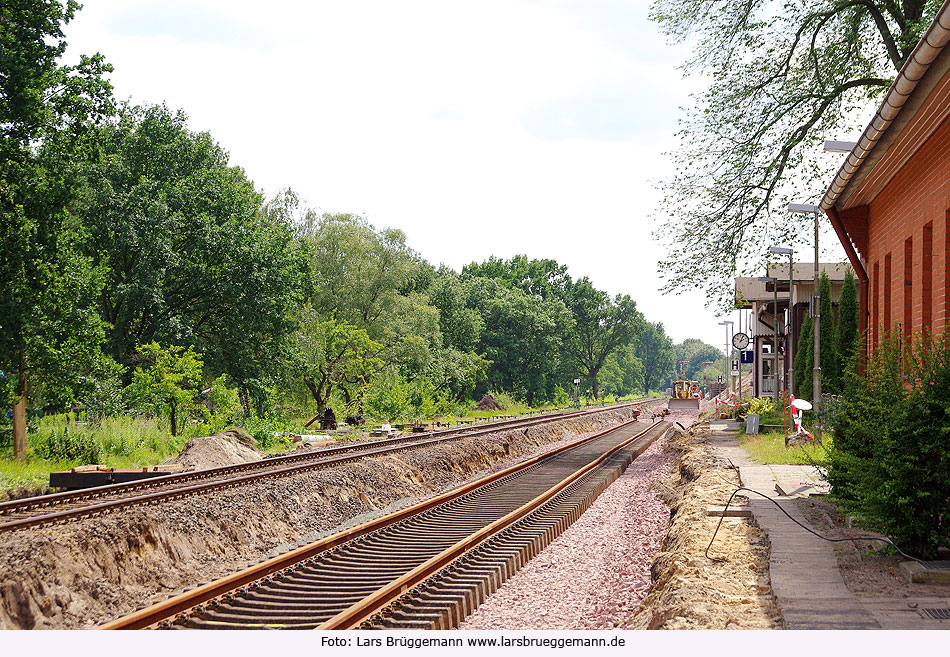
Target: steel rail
{"x":361,"y":611}
{"x":317,"y":460}
{"x":10,"y":506}
{"x":219,"y":590}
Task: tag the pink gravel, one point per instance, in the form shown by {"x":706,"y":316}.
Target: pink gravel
{"x":595,"y":575}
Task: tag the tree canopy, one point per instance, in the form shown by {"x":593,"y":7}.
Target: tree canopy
{"x":784,"y":76}
{"x":49,"y":333}
{"x":190,"y":255}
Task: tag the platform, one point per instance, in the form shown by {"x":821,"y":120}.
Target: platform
{"x":806,"y":581}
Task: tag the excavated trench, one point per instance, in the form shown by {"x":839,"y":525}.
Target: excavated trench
{"x":84,"y":573}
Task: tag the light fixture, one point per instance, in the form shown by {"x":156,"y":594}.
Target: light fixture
{"x":840,"y":146}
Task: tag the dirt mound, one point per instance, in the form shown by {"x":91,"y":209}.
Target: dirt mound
{"x":225,"y":448}
{"x":489,"y":403}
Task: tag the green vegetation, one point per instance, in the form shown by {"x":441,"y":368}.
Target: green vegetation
{"x":783,"y":76}
{"x":150,"y":291}
{"x":769,"y":448}
{"x":890,"y":463}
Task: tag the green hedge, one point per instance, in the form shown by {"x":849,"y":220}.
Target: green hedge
{"x":890,"y":463}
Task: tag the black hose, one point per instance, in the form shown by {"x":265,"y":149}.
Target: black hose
{"x":809,"y":529}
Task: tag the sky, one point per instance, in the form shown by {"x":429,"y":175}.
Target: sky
{"x":478,"y":128}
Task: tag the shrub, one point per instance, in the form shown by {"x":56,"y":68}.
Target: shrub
{"x":66,"y":446}
{"x":890,"y":461}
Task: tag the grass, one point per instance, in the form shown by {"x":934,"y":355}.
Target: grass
{"x":60,"y":443}
{"x":769,"y":449}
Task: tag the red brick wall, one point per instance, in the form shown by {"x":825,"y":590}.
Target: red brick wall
{"x":909,"y":231}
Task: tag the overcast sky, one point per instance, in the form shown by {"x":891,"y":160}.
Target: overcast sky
{"x":478,"y":128}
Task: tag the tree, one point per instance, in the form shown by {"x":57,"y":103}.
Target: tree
{"x":166,"y":378}
{"x":622,"y":373}
{"x":47,"y":331}
{"x":696,"y":352}
{"x":543,"y":278}
{"x":523,"y":338}
{"x":783,"y":77}
{"x":330,"y":353}
{"x":805,"y":360}
{"x":192,"y":256}
{"x":830,"y":374}
{"x":655,"y":350}
{"x":358,"y":272}
{"x":601,"y":326}
{"x":847,"y":322}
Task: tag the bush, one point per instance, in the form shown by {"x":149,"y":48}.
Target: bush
{"x":66,"y":446}
{"x":890,"y":461}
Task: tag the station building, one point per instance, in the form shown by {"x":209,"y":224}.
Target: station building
{"x":890,"y":201}
{"x":773,"y":326}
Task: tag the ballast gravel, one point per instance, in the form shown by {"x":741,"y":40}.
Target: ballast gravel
{"x":597,"y":572}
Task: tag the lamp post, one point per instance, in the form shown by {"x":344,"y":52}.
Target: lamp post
{"x":725,"y":359}
{"x":815,"y":309}
{"x":774,"y":282}
{"x":781,"y":250}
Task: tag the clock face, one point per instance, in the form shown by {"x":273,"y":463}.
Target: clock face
{"x":740,"y":341}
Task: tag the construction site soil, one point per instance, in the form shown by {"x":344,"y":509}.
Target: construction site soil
{"x":81,"y":574}
{"x":727,"y":589}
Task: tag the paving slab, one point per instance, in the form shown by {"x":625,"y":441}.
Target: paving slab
{"x":806,"y":582}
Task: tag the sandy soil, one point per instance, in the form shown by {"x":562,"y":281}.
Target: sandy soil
{"x":730,"y":588}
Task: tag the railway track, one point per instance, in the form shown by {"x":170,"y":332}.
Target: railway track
{"x":426,"y":566}
{"x":75,"y":505}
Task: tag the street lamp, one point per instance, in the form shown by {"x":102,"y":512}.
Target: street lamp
{"x":774,"y":282}
{"x":781,"y":250}
{"x":815,"y":309}
{"x":725,"y":359}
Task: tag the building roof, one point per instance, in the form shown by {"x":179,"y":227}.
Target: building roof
{"x":750,"y":289}
{"x":914,"y":106}
{"x":805,"y":271}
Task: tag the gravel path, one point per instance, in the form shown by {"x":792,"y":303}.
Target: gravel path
{"x":596,"y":573}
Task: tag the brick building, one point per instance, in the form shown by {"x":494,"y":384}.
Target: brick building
{"x":890,"y":201}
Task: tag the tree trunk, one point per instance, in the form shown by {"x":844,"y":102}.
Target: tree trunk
{"x":171,"y":405}
{"x":19,"y":416}
{"x":595,"y":387}
{"x":245,"y":401}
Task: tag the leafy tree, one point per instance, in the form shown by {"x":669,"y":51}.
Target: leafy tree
{"x":461,"y":324}
{"x":191,"y":255}
{"x":358,"y":272}
{"x":523,"y":338}
{"x":543,"y":278}
{"x":655,"y":350}
{"x":601,"y":326}
{"x":805,"y":360}
{"x":167,"y":378}
{"x":696,"y":352}
{"x":47,"y":331}
{"x":830,"y":375}
{"x":329,"y":353}
{"x":783,"y":77}
{"x":847,"y":333}
{"x":622,"y":373}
